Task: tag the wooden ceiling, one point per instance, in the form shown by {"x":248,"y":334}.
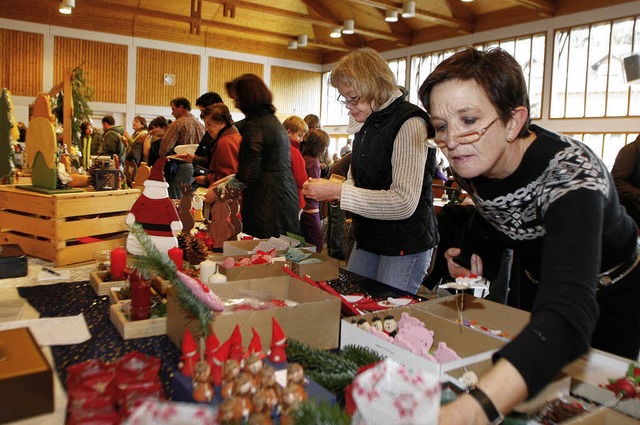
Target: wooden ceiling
{"x":266,"y":27}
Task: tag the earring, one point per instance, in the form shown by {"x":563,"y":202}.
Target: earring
{"x":509,"y":139}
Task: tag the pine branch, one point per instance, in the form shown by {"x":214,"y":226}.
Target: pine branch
{"x":312,"y":413}
{"x":156,"y":263}
{"x":315,"y":359}
{"x":335,"y":382}
{"x":361,"y":356}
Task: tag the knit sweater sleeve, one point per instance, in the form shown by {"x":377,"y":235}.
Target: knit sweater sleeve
{"x":401,"y":199}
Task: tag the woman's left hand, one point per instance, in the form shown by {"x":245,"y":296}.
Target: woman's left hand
{"x":321,"y":189}
{"x":456,"y":270}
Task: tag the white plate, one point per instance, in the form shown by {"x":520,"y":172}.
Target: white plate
{"x":182,"y":149}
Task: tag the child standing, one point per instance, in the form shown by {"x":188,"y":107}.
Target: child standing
{"x":314,"y":148}
{"x":296,"y":129}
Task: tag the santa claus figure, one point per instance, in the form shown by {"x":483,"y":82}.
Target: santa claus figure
{"x":277,"y":353}
{"x":156,"y":213}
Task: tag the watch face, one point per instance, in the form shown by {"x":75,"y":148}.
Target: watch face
{"x":169,"y":79}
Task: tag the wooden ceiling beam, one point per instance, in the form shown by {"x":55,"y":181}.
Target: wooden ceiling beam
{"x":544,"y":8}
{"x":315,"y":20}
{"x":464,"y":26}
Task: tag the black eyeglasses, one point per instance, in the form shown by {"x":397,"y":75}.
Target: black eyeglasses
{"x":352,"y":101}
{"x":465,"y":138}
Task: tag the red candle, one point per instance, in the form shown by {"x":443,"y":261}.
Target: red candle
{"x":140,"y":297}
{"x":118,"y":262}
{"x":175,"y":254}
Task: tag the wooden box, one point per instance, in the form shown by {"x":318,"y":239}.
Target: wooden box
{"x":26,"y":379}
{"x":327,"y":269}
{"x":101,"y":287}
{"x":54,"y":227}
{"x":129,"y":329}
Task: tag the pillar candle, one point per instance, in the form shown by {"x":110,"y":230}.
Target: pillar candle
{"x":207,"y":268}
{"x":217,"y":277}
{"x":118,"y":262}
{"x":176,"y":255}
{"x":140,"y":297}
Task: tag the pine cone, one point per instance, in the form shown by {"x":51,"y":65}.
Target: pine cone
{"x":183,"y":241}
{"x":196,"y":251}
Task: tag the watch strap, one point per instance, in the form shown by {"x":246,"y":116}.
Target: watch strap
{"x":495,"y":417}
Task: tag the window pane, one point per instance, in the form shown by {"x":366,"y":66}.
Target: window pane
{"x":621,"y":44}
{"x":578,"y":41}
{"x":559,"y":80}
{"x":536,"y":74}
{"x":598,"y":70}
{"x":612,"y":145}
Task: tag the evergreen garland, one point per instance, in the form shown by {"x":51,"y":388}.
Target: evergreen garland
{"x":312,"y":413}
{"x":333,"y":371}
{"x":83,"y":93}
{"x":155,"y":263}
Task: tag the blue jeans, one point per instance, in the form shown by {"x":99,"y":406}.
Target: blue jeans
{"x":181,"y":180}
{"x":404,"y":272}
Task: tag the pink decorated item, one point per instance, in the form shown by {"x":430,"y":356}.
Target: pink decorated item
{"x":201,"y":291}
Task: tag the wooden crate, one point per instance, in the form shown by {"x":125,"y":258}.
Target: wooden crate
{"x":138,"y":328}
{"x":52,"y":226}
{"x":101,"y":287}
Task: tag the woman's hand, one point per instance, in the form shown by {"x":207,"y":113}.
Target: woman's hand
{"x":186,"y":157}
{"x":322,"y":189}
{"x":456,"y":270}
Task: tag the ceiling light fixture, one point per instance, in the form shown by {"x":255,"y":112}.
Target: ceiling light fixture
{"x":391,"y":16}
{"x":409,"y":9}
{"x":302,"y":40}
{"x":66,"y":6}
{"x":293,"y":45}
{"x":466,"y":1}
{"x":336,"y":33}
{"x":349,"y":25}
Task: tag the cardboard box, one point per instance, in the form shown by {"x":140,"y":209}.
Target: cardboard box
{"x":129,"y":329}
{"x":327,"y":269}
{"x":256,"y":271}
{"x":494,"y":316}
{"x":470,"y":345}
{"x":314,"y":321}
{"x":102,"y":287}
{"x":602,"y":417}
{"x":595,"y":369}
{"x":249,"y":247}
{"x":26,"y":379}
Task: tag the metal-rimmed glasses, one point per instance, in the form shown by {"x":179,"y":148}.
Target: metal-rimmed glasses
{"x":352,"y":101}
{"x":465,"y":138}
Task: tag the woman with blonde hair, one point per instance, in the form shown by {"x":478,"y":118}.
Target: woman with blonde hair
{"x":388,"y":188}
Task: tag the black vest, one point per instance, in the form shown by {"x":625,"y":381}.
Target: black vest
{"x":371,"y":169}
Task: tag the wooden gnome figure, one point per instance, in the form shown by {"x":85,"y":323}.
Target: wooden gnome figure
{"x":202,"y":389}
{"x":242,"y":396}
{"x":189,"y":354}
{"x":254,"y":365}
{"x":156,"y":213}
{"x":270,"y":389}
{"x":210,"y":346}
{"x":220,"y":357}
{"x":8,"y":136}
{"x":289,"y":404}
{"x":231,"y":372}
{"x":236,"y":351}
{"x":255,"y":346}
{"x":277,"y":353}
{"x":295,"y":378}
{"x":42,"y":145}
{"x":226,"y":413}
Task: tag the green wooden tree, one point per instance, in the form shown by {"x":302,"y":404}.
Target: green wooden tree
{"x":7,"y":138}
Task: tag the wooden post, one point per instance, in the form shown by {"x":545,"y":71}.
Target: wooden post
{"x":67,"y":109}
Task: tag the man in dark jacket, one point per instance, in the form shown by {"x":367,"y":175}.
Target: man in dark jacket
{"x":626,"y":175}
{"x":112,"y":138}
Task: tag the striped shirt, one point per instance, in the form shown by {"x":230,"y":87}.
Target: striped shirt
{"x":186,"y":130}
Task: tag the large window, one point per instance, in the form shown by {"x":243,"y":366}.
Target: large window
{"x":588,"y":73}
{"x":333,"y":112}
{"x":528,"y":51}
{"x":605,"y":145}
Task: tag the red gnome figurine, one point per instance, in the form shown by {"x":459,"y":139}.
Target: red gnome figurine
{"x":277,"y":353}
{"x":189,"y":351}
{"x":236,"y":351}
{"x":255,"y":346}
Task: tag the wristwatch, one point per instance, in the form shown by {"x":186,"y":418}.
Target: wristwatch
{"x":495,"y":417}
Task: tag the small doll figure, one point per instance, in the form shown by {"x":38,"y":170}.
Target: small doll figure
{"x":376,"y":322}
{"x":254,"y":367}
{"x":242,"y":397}
{"x":271,"y":390}
{"x":277,"y":354}
{"x":289,"y":405}
{"x":363,"y":324}
{"x":202,"y":389}
{"x":226,"y":412}
{"x":189,"y":356}
{"x":295,"y":378}
{"x":231,"y":372}
{"x":390,"y":326}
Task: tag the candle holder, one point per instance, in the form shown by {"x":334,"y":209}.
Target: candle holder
{"x":140,"y":296}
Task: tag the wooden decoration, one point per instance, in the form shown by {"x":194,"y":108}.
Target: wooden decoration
{"x":42,"y":145}
{"x":7,"y":124}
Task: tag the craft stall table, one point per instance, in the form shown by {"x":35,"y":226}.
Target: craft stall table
{"x":64,"y":227}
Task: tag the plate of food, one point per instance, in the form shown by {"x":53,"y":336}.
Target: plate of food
{"x":183,"y":149}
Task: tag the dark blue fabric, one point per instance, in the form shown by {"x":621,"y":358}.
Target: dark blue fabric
{"x":106,"y":344}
